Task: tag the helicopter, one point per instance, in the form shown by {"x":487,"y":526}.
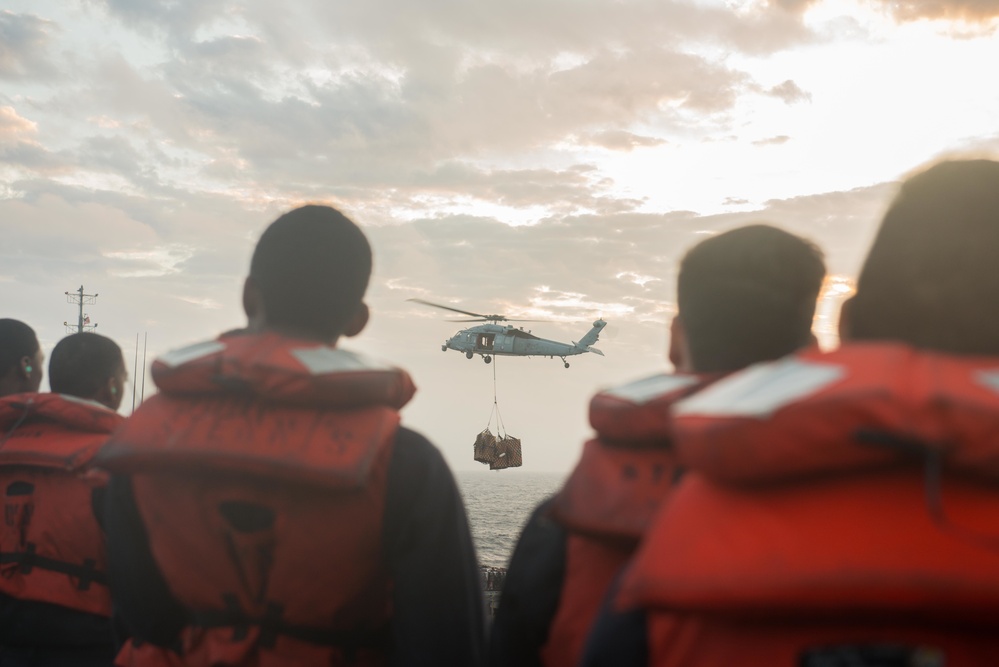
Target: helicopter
{"x":494,"y":339}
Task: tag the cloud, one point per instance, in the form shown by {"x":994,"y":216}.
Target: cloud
{"x":794,"y":6}
{"x":15,"y":129}
{"x":773,"y":141}
{"x":620,"y":140}
{"x":24,"y":40}
{"x":789,"y":92}
{"x":963,"y":10}
{"x":328,"y":90}
{"x":153,"y":262}
{"x":20,"y":151}
{"x":372,"y":106}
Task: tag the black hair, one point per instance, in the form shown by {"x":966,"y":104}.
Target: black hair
{"x":81,"y":363}
{"x":748,"y":295}
{"x":17,"y":340}
{"x":312,"y":267}
{"x":931,"y":277}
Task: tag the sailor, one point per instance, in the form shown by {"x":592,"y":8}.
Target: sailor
{"x":55,"y":606}
{"x":744,"y":296}
{"x":20,"y":358}
{"x":267,"y":508}
{"x":841,"y":508}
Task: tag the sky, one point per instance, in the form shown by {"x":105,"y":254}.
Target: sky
{"x":547,"y":159}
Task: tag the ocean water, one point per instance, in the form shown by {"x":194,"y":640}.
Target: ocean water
{"x":498,"y":503}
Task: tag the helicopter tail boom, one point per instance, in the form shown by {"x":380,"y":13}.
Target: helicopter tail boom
{"x":592,"y":335}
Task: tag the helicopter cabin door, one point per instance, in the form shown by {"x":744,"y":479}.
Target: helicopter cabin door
{"x":485,"y":341}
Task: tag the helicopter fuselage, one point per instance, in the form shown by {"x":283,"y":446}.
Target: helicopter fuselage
{"x":490,"y":340}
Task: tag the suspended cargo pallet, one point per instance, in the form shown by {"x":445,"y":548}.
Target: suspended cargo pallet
{"x":508,"y":454}
{"x":485,"y":447}
{"x":498,"y":453}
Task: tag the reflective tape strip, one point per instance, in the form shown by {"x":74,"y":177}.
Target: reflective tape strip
{"x":175,"y":358}
{"x":85,"y":401}
{"x":647,"y":389}
{"x":988,"y":378}
{"x":322,"y":360}
{"x":761,"y":390}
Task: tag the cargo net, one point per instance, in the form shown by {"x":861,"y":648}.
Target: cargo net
{"x":497,"y":451}
{"x":509,"y":455}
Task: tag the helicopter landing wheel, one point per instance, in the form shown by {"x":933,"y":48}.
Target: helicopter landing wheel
{"x":468,"y":355}
{"x":487,"y":359}
{"x":567,"y":364}
{"x":443,"y":348}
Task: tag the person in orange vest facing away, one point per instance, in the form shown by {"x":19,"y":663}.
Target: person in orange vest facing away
{"x":743,"y":296}
{"x":55,"y":606}
{"x":267,"y":508}
{"x":20,"y":358}
{"x":841,"y":509}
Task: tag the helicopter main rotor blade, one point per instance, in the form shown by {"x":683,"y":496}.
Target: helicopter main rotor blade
{"x":457,"y":310}
{"x":491,"y":319}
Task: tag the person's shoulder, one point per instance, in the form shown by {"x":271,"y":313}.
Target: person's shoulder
{"x":407,"y":437}
{"x":412,"y":452}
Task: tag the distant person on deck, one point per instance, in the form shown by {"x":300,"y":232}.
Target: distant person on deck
{"x":744,"y":296}
{"x":20,"y":358}
{"x":55,"y":606}
{"x":267,"y":508}
{"x":842,"y":508}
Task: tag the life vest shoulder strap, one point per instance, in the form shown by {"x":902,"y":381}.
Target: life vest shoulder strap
{"x":53,"y":430}
{"x":613,"y":492}
{"x":858,"y":408}
{"x":283,"y":370}
{"x":626,"y":470}
{"x":638,"y":412}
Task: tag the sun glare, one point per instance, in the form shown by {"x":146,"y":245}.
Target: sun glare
{"x":835,"y":291}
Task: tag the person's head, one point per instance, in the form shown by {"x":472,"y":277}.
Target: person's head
{"x":744,"y":296}
{"x":88,"y":365}
{"x":20,"y":358}
{"x":308,"y":275}
{"x":931,"y":277}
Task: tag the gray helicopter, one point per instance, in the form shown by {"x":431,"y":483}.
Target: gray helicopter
{"x":488,"y":340}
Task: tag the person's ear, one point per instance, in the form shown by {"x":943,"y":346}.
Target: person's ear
{"x":845,"y":325}
{"x":107,"y":394}
{"x":679,"y":351}
{"x":357,"y":323}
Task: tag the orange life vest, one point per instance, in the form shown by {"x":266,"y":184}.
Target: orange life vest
{"x":609,"y":499}
{"x":838,"y":507}
{"x":260,"y":473}
{"x":51,"y":546}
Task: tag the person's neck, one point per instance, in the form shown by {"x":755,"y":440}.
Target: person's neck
{"x":9,"y":384}
{"x":292,"y":332}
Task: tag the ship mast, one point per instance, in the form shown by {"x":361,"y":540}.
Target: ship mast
{"x":81,"y":299}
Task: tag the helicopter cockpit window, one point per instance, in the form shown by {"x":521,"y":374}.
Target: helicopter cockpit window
{"x":485,"y":341}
